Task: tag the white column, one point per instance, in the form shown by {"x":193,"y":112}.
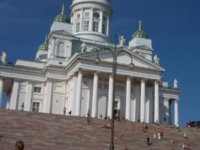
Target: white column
{"x":1,"y":92}
{"x":166,"y":106}
{"x":51,"y":51}
{"x":128,"y":98}
{"x":101,"y":21}
{"x":79,"y":88}
{"x":142,"y":101}
{"x":81,"y":20}
{"x":27,"y":103}
{"x":94,"y":96}
{"x":176,"y":120}
{"x":156,"y":102}
{"x":91,"y":20}
{"x":108,"y":26}
{"x":14,"y":95}
{"x":74,"y":22}
{"x":147,"y":113}
{"x":48,"y":97}
{"x":110,"y":96}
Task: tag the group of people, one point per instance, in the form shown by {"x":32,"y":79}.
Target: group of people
{"x":64,"y":111}
{"x":187,"y":146}
{"x":158,"y":135}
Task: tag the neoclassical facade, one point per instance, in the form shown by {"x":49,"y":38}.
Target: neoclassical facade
{"x":65,"y":75}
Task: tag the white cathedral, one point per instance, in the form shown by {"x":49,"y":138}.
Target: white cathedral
{"x":66,"y":75}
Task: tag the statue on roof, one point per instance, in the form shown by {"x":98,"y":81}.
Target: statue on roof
{"x":83,"y":47}
{"x":3,"y":57}
{"x":175,"y":83}
{"x":121,"y":40}
{"x":156,"y":59}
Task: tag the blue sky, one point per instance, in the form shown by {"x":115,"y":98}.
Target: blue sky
{"x":173,"y":26}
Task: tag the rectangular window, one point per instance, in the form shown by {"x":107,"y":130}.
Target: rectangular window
{"x":78,"y":16}
{"x":116,"y":104}
{"x":37,"y":89}
{"x":95,"y":26}
{"x":87,"y":14}
{"x":35,"y":107}
{"x":77,"y":26}
{"x":103,"y":29}
{"x":85,"y":25}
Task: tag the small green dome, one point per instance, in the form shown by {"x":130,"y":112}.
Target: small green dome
{"x":62,"y":17}
{"x":44,"y":46}
{"x":140,"y":33}
{"x":9,"y":63}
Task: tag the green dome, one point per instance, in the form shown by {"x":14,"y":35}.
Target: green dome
{"x":140,"y":33}
{"x":62,"y":17}
{"x":44,"y":46}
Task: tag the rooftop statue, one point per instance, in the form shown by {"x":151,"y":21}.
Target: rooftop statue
{"x":175,"y":83}
{"x":3,"y":57}
{"x":121,"y":40}
{"x":83,"y":47}
{"x":156,"y":59}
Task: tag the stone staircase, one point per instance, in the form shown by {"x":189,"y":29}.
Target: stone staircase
{"x":56,"y":132}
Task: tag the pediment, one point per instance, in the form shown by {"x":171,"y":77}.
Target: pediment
{"x":124,"y":58}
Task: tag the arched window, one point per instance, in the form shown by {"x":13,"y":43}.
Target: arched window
{"x":61,"y":50}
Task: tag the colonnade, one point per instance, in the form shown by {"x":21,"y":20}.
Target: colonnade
{"x":129,"y":85}
{"x":13,"y":102}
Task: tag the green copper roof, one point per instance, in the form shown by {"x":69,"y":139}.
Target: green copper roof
{"x":62,"y":17}
{"x":140,"y":33}
{"x":44,"y":46}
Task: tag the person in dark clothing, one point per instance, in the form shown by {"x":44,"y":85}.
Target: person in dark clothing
{"x":19,"y":145}
{"x":64,"y":110}
{"x":148,"y":141}
{"x":70,"y":112}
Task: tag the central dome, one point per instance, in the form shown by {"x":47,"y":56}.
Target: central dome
{"x":106,"y":2}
